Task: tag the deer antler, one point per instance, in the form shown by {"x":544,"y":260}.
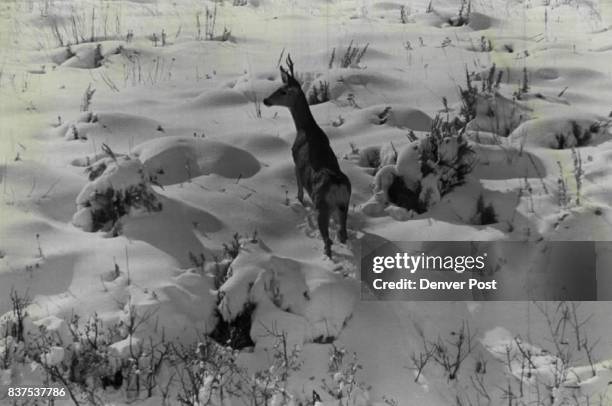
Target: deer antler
{"x":289,"y":63}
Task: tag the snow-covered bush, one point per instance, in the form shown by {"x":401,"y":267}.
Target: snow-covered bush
{"x":119,"y":186}
{"x":15,"y":326}
{"x":88,"y":357}
{"x":448,"y":155}
{"x":463,"y":16}
{"x":78,"y":129}
{"x":343,"y":384}
{"x":563,"y":131}
{"x":424,"y":171}
{"x":318,"y":92}
{"x":266,"y":292}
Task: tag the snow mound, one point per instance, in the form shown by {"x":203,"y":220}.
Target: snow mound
{"x":218,"y":98}
{"x":479,"y":21}
{"x":345,"y":81}
{"x":497,"y":114}
{"x":448,"y":17}
{"x":394,"y":115}
{"x":178,"y":159}
{"x":582,"y":384}
{"x":409,"y":117}
{"x":123,"y":350}
{"x":179,"y":307}
{"x":508,"y":161}
{"x":299,"y":298}
{"x":256,"y":87}
{"x":119,"y":130}
{"x":503,"y":345}
{"x":87,"y":55}
{"x":268,"y":321}
{"x":547,"y":73}
{"x":331,"y":303}
{"x":561,"y":131}
{"x":77,"y":129}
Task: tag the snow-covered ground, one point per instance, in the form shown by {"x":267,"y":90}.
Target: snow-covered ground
{"x":126,"y":164}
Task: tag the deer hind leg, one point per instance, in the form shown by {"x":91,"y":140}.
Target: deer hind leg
{"x":342,"y":215}
{"x":323,"y":221}
{"x":338,"y":198}
{"x":300,"y":193}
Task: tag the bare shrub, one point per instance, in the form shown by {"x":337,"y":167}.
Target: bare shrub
{"x":485,"y":213}
{"x":343,"y":383}
{"x":470,"y":94}
{"x":319,"y":93}
{"x":351,"y":57}
{"x":463,"y":16}
{"x":83,"y":26}
{"x":210,"y":26}
{"x":87,"y":97}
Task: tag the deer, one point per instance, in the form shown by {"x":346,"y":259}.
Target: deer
{"x":316,"y":166}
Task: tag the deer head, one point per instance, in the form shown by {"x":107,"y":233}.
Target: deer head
{"x":287,"y":94}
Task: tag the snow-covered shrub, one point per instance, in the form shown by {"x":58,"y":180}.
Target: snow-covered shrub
{"x":17,"y":323}
{"x":78,"y":129}
{"x":563,"y":131}
{"x":463,"y":16}
{"x":368,"y":157}
{"x":425,"y":170}
{"x":318,"y":92}
{"x":76,"y":356}
{"x":578,"y":137}
{"x":15,"y":326}
{"x":119,"y":186}
{"x":232,"y":330}
{"x":206,"y":373}
{"x":266,"y":292}
{"x":448,"y":155}
{"x":209,"y":374}
{"x":469,"y":94}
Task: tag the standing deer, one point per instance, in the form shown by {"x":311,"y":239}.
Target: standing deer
{"x":316,"y":165}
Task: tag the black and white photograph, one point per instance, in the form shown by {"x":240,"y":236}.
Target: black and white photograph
{"x":306,"y":202}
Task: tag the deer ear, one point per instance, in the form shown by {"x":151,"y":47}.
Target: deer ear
{"x":284,"y":75}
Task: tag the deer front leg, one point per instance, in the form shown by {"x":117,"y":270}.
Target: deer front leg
{"x":300,"y":193}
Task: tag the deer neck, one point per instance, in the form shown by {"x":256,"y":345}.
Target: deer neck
{"x":302,"y":116}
